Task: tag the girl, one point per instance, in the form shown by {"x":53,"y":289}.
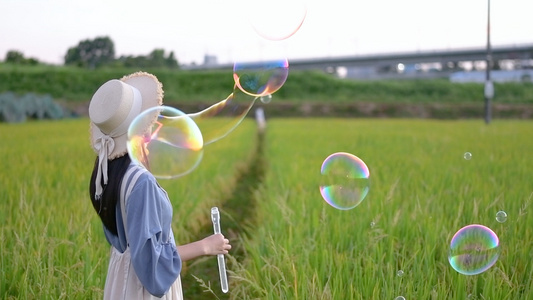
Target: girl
{"x":135,"y":211}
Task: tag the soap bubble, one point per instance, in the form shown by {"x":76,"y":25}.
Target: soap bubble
{"x":266,"y":99}
{"x":218,"y":120}
{"x":276,"y":19}
{"x":345,"y":180}
{"x":399,"y":298}
{"x":467,"y":156}
{"x":399,"y":273}
{"x":501,"y":216}
{"x":261,"y":78}
{"x":165,"y":141}
{"x":474,"y":249}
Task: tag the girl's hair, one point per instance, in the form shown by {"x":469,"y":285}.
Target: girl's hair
{"x":106,"y":206}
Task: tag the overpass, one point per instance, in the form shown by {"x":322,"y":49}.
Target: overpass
{"x":523,"y":52}
{"x":386,"y":60}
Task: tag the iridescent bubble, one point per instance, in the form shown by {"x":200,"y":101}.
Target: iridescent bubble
{"x":165,"y":141}
{"x":399,"y":273}
{"x":474,"y":249}
{"x":345,"y":180}
{"x":218,"y":120}
{"x":399,"y":298}
{"x":372,"y":224}
{"x":266,"y":99}
{"x":262,"y":78}
{"x":467,"y":156}
{"x":276,"y":19}
{"x":501,"y":216}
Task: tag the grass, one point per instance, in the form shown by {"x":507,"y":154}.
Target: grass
{"x":74,"y":85}
{"x":422,"y":192}
{"x":51,"y":246}
{"x":51,"y":240}
{"x":291,"y":244}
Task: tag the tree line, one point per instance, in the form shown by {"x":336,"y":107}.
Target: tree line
{"x":100,"y":52}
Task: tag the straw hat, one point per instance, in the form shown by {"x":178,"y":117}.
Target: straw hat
{"x":112,"y":109}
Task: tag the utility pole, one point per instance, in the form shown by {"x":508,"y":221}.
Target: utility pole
{"x":489,"y":87}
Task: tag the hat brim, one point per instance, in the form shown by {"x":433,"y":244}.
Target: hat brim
{"x":152,"y":95}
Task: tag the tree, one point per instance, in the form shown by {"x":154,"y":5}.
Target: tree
{"x":156,"y":59}
{"x":91,"y":53}
{"x":16,"y":57}
{"x":171,"y":62}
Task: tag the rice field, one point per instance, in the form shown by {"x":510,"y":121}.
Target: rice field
{"x":51,"y":240}
{"x":291,"y":244}
{"x":422,"y":192}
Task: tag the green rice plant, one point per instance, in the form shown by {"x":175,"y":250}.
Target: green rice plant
{"x":51,"y":241}
{"x":422,"y":192}
{"x":52,"y":246}
{"x":295,"y":246}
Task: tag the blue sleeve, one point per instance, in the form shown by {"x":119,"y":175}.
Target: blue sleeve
{"x":154,"y":254}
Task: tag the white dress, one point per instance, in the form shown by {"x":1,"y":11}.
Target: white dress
{"x":122,"y":282}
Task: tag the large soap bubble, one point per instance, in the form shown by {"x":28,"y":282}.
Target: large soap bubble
{"x":165,"y":141}
{"x":345,"y":180}
{"x":474,"y":249}
{"x":276,"y":19}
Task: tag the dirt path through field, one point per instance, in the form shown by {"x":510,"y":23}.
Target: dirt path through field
{"x":237,"y":217}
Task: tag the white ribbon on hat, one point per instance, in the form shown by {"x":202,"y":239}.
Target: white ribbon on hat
{"x":106,"y":143}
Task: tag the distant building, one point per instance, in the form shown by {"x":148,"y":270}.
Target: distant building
{"x":210,"y":60}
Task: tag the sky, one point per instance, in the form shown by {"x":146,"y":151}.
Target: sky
{"x":231,"y":31}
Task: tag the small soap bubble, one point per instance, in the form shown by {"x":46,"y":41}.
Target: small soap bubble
{"x":473,"y":249}
{"x":399,"y":298}
{"x":372,"y":224}
{"x":345,"y":180}
{"x":266,"y":99}
{"x":399,"y":273}
{"x":165,"y":141}
{"x":467,"y":155}
{"x":501,"y":216}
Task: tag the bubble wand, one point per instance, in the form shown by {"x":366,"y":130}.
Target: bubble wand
{"x":215,"y":217}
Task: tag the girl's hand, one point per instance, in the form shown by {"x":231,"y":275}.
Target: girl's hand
{"x":216,"y":244}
